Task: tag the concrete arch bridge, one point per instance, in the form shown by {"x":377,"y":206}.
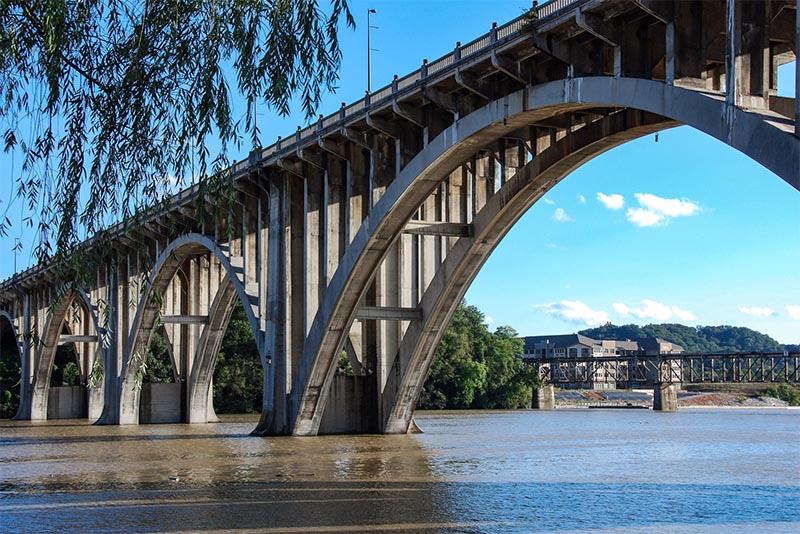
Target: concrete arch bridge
{"x":362,"y":232}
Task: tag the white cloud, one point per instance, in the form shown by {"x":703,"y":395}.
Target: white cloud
{"x":757,"y":311}
{"x":575,"y":312}
{"x":612,"y":202}
{"x":644,"y":218}
{"x":582,"y":199}
{"x":551,"y":245}
{"x":683,"y":315}
{"x":669,"y":207}
{"x":548,"y":201}
{"x":488,"y":319}
{"x":651,"y":309}
{"x":794,"y":311}
{"x":657,"y":211}
{"x":621,"y":309}
{"x":561,"y":216}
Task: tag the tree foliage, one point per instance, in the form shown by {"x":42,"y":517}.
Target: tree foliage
{"x":238,"y":374}
{"x":10,"y":371}
{"x":475,"y":368}
{"x":699,"y":339}
{"x":159,"y":362}
{"x":111,"y":101}
{"x":65,"y":367}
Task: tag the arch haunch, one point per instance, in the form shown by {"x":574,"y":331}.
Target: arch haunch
{"x":764,"y":137}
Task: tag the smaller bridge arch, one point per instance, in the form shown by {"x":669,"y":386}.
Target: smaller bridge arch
{"x":147,"y":313}
{"x":48,"y":344}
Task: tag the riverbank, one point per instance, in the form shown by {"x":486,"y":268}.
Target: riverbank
{"x":743,"y":398}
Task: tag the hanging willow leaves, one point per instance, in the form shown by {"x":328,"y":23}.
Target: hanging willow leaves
{"x":110,"y":102}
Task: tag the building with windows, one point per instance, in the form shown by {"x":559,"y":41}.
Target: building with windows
{"x":606,"y":375}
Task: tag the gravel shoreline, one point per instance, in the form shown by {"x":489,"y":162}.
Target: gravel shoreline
{"x":644,"y":399}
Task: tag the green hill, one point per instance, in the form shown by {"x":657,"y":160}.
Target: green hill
{"x":693,"y":339}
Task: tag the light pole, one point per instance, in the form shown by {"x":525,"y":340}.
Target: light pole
{"x":369,"y":51}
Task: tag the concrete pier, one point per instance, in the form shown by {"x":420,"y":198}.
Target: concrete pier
{"x":544,"y":398}
{"x":665,"y":397}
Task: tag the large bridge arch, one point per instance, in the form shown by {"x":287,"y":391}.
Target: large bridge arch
{"x":144,"y":323}
{"x":765,"y":137}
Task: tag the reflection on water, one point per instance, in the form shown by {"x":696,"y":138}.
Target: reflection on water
{"x":563,"y":471}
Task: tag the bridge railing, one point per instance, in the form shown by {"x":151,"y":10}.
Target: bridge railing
{"x":403,"y":84}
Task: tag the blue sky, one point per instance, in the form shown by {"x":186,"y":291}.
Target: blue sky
{"x":722,"y":247}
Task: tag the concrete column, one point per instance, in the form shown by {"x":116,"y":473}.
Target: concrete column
{"x":26,"y":376}
{"x":544,"y":398}
{"x":111,"y":356}
{"x":665,"y":397}
{"x":732,"y":48}
{"x":274,"y":415}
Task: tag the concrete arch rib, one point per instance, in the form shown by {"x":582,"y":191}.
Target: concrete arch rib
{"x":164,"y":270}
{"x":46,"y":352}
{"x":766,"y":138}
{"x":490,"y":226}
{"x":219,"y":316}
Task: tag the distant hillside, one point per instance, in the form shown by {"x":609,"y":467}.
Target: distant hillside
{"x":700,"y":339}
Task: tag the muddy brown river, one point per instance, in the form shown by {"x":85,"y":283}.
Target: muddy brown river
{"x":584,"y":470}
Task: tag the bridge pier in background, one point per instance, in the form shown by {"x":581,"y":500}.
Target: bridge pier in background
{"x":544,"y":397}
{"x":665,"y":397}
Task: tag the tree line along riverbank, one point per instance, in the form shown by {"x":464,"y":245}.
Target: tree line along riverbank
{"x":473,"y":368}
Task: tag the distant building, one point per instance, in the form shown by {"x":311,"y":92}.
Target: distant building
{"x":606,"y":376}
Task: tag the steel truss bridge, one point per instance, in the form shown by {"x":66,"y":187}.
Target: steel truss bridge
{"x":632,"y":372}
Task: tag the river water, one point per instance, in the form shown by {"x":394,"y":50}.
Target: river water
{"x":477,"y":472}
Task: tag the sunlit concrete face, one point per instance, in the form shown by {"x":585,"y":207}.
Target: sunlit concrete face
{"x":362,"y":232}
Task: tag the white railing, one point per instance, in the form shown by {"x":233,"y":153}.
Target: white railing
{"x":508,"y":30}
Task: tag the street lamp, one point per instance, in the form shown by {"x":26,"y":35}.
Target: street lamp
{"x":369,"y":51}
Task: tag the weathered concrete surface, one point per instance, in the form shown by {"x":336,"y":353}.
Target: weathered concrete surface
{"x":665,"y":397}
{"x":544,"y":398}
{"x":160,"y":403}
{"x":348,"y":414}
{"x":66,"y":402}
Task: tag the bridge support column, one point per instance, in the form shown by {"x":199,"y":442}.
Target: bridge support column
{"x":26,"y":369}
{"x":665,"y":397}
{"x":544,"y":397}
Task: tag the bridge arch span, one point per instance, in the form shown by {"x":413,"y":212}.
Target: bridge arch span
{"x":764,"y":137}
{"x":144,"y":323}
{"x":48,"y":343}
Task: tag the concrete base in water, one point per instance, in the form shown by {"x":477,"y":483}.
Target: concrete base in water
{"x":544,"y":398}
{"x":66,"y":402}
{"x":345,"y":413}
{"x":160,"y":403}
{"x":665,"y":398}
